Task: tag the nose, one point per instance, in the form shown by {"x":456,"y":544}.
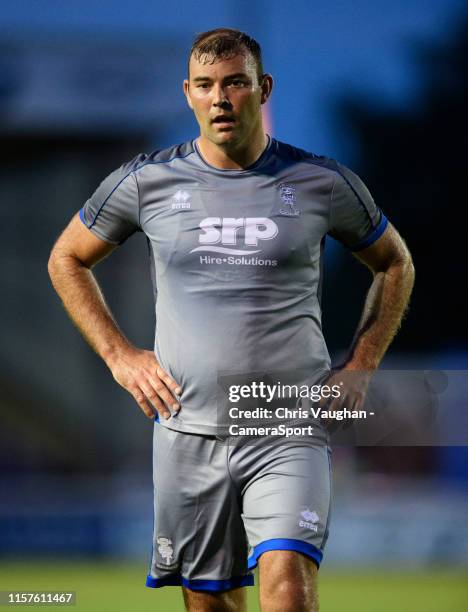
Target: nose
{"x":220,"y":98}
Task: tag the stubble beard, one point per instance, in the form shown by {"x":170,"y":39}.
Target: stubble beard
{"x":229,"y":143}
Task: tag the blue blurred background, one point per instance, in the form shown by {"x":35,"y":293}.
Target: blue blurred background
{"x":85,"y":86}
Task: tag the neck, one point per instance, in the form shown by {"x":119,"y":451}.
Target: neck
{"x":232,"y":157}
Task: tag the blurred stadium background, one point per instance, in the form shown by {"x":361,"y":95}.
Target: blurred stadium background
{"x":83,"y":87}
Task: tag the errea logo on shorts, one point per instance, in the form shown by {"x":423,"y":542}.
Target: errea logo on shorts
{"x":235,"y":237}
{"x":311,"y":518}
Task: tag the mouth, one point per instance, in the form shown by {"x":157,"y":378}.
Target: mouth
{"x":223,"y":121}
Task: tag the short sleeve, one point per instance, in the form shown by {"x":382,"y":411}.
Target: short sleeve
{"x":355,"y":220}
{"x":112,"y":212}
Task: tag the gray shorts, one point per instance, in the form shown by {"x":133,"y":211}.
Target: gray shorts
{"x":218,"y":506}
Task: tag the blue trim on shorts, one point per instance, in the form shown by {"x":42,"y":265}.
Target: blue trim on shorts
{"x":201,"y":585}
{"x":376,"y":233}
{"x":285,"y":544}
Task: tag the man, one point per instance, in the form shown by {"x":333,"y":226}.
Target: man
{"x":235,"y":222}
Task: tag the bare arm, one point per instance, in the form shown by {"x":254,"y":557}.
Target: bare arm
{"x":74,"y":254}
{"x":387,"y":300}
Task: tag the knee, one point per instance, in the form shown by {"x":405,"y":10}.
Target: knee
{"x":288,"y":583}
{"x":288,"y":595}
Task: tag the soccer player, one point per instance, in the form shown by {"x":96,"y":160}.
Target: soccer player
{"x":235,"y":222}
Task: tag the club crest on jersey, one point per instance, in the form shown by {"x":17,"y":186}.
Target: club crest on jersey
{"x":288,"y":195}
{"x":181,"y":200}
{"x":225,"y":235}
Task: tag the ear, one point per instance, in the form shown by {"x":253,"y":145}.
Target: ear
{"x":187,"y":93}
{"x":266,"y":87}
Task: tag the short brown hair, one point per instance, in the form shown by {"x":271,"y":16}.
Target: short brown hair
{"x":225,"y":43}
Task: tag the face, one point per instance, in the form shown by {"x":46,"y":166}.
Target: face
{"x":226,"y":98}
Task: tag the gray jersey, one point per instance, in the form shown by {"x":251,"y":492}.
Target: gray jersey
{"x":236,"y":257}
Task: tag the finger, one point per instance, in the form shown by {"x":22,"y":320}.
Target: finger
{"x":358,"y":399}
{"x":337,"y":403}
{"x":349,"y":422}
{"x":154,"y":397}
{"x":164,"y":394}
{"x":354,"y":402}
{"x":168,"y":380}
{"x":329,"y":400}
{"x":140,"y":399}
{"x":325,"y":403}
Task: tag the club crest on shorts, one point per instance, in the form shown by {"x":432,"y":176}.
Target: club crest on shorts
{"x":288,"y":195}
{"x":309,"y":520}
{"x":165,"y":550}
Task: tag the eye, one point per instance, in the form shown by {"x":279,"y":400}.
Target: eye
{"x":203,"y":85}
{"x":238,"y":83}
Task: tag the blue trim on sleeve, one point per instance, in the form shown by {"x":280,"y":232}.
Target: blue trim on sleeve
{"x":201,"y":585}
{"x":82,"y":216}
{"x":285,"y":544}
{"x":373,"y":236}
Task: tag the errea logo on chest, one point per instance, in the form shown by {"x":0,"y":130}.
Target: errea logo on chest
{"x":181,"y":200}
{"x":242,"y":233}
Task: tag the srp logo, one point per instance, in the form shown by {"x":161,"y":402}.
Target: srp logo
{"x":229,"y":232}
